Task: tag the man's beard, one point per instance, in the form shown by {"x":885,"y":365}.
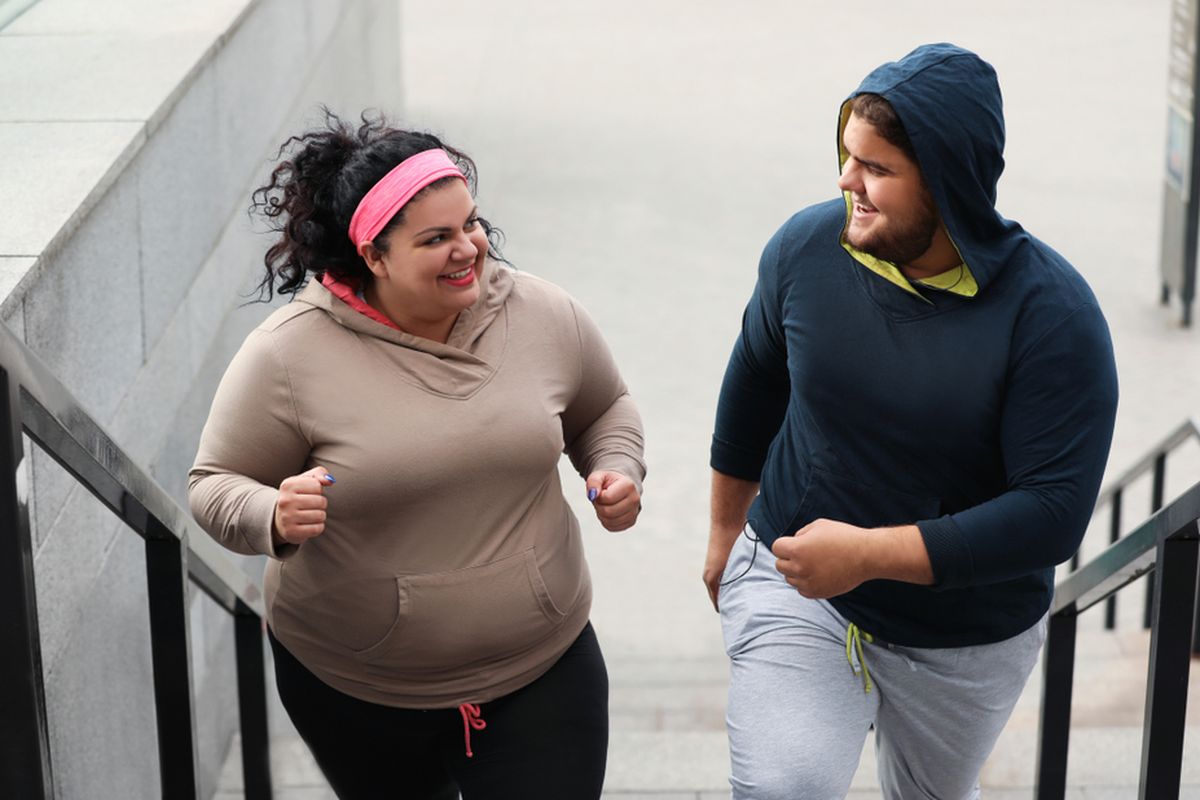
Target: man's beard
{"x":901,"y":242}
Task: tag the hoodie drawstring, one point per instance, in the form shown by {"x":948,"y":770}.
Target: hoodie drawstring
{"x":472,"y":716}
{"x":854,"y":651}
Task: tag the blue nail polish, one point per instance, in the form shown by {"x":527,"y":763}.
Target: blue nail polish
{"x":593,"y":493}
{"x":330,"y":478}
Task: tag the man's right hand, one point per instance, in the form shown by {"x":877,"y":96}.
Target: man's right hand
{"x":730,"y":500}
{"x":300,"y":508}
{"x":719,"y":546}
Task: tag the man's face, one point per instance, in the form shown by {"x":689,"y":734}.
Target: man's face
{"x":893,"y":216}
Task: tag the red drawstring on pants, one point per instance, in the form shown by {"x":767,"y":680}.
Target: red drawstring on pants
{"x":472,"y":718}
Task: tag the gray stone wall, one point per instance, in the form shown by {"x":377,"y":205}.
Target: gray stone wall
{"x":133,"y":293}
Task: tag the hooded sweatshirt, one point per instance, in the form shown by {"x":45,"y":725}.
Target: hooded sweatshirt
{"x":984,"y":417}
{"x":451,"y":569}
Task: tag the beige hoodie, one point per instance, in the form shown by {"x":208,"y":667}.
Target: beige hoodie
{"x":451,"y":569}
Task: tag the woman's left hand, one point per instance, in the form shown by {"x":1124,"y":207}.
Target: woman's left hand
{"x":615,"y":499}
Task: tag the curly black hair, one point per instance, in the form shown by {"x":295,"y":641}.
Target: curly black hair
{"x":315,"y":189}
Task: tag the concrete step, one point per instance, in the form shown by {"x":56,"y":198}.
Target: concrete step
{"x":668,"y":731}
{"x":677,"y":765}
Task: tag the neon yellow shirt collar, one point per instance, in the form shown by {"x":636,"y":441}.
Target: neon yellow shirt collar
{"x":956,"y":280}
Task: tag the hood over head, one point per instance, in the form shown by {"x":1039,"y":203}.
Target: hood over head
{"x":948,"y":100}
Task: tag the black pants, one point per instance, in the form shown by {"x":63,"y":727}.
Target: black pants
{"x":547,"y":740}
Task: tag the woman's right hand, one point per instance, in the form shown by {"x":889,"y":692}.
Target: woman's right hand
{"x":300,"y":508}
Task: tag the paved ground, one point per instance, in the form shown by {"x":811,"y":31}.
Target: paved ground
{"x":640,"y":154}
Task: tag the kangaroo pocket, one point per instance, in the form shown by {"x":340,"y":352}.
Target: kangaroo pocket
{"x":450,"y":619}
{"x":833,"y":496}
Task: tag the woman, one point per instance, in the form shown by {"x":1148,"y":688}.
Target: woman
{"x":390,"y":439}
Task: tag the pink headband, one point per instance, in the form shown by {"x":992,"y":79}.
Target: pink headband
{"x":395,"y":189}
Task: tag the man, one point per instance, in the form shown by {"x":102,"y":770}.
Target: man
{"x":914,"y":422}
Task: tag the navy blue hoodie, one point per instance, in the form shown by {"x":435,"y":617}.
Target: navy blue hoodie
{"x":985,"y":420}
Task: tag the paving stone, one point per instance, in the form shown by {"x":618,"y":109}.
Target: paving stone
{"x":252,"y":112}
{"x":92,"y":282}
{"x":669,"y":761}
{"x":72,"y":555}
{"x":214,"y":681}
{"x":76,"y":78}
{"x":178,"y":447}
{"x":324,"y":19}
{"x":292,"y":767}
{"x":62,"y":170}
{"x":187,"y":199}
{"x":375,"y":81}
{"x":13,"y":270}
{"x":222,"y":287}
{"x":149,"y":406}
{"x":100,"y":693}
{"x":99,"y":354}
{"x":309,"y":793}
{"x":13,"y":316}
{"x":144,"y":17}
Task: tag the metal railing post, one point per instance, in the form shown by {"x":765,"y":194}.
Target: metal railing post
{"x":252,"y":706}
{"x":1156,"y":502}
{"x":1114,"y":533}
{"x":24,"y":735}
{"x":170,"y":648}
{"x":1167,"y":681}
{"x":1054,"y":725}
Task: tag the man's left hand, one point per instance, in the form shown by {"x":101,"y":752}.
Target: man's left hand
{"x":825,"y":558}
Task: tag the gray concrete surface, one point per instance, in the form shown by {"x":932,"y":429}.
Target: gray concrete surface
{"x":640,"y":155}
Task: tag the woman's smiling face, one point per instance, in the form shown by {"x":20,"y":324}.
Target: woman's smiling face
{"x":432,"y":263}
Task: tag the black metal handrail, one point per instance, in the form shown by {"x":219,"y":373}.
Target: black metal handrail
{"x":1113,"y":492}
{"x":1168,"y":543}
{"x":1188,"y":429}
{"x":32,"y":400}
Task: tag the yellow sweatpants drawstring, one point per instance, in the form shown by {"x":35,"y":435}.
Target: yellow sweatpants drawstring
{"x":854,"y":637}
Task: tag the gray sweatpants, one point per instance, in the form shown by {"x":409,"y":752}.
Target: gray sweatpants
{"x":799,"y":712}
